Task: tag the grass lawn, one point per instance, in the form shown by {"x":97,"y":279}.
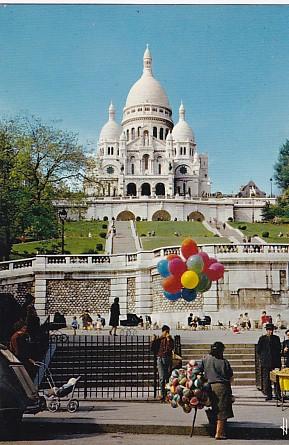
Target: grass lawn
{"x":259,"y":228}
{"x":76,"y":240}
{"x":164,"y":233}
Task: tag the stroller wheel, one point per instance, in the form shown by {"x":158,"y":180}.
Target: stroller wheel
{"x":63,"y":338}
{"x":72,"y":405}
{"x":53,"y":405}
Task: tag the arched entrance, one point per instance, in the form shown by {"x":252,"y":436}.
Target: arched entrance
{"x":146,"y":189}
{"x":161,"y":215}
{"x":196,"y":216}
{"x":131,"y":189}
{"x":126,"y":215}
{"x":160,"y":189}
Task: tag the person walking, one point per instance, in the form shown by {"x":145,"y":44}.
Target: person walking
{"x":285,"y":349}
{"x":114,"y":316}
{"x":269,"y":353}
{"x":219,"y":374}
{"x":163,"y":347}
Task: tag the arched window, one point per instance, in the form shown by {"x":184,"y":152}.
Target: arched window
{"x":132,"y":169}
{"x":181,"y":150}
{"x":132,"y":133}
{"x":167,"y":132}
{"x":127,"y":135}
{"x":111,"y":150}
{"x":138,"y":131}
{"x":108,"y":150}
{"x":145,"y":189}
{"x":146,"y":162}
{"x":131,"y":189}
{"x":185,"y":150}
{"x":160,"y":189}
{"x":161,"y":134}
{"x":155,"y":132}
{"x":160,"y":169}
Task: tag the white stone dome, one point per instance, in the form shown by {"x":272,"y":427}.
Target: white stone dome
{"x":111,"y":131}
{"x":182,"y":132}
{"x":147,"y":90}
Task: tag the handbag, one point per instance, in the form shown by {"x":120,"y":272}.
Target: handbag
{"x":176,"y":360}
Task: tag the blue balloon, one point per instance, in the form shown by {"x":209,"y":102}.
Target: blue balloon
{"x":163,"y":268}
{"x":189,"y":294}
{"x":172,"y":297}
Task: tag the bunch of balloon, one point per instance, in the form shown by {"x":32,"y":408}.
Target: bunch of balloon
{"x":186,"y":275}
{"x":188,"y":389}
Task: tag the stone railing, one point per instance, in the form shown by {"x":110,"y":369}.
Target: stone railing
{"x":17,"y":264}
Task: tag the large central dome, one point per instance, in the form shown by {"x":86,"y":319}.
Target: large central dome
{"x":147,"y":90}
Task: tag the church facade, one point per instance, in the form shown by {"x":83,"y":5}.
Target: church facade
{"x":147,"y":155}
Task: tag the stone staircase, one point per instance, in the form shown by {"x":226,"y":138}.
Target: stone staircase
{"x":240,"y":356}
{"x":123,"y":241}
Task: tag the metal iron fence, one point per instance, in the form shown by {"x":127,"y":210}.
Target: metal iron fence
{"x":121,"y":367}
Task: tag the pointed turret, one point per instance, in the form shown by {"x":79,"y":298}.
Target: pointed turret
{"x":147,"y":61}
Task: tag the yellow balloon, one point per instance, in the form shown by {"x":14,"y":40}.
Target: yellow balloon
{"x":190,"y":279}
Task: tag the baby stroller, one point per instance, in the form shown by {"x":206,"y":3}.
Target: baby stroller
{"x":55,"y":394}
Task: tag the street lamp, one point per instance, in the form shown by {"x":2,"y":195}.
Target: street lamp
{"x":271,"y":194}
{"x":62,"y":216}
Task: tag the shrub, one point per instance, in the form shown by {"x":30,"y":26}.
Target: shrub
{"x":104,"y":226}
{"x":138,"y":218}
{"x":143,"y":234}
{"x":216,"y":235}
{"x":231,"y":219}
{"x":265,"y":234}
{"x":102,"y":234}
{"x":105,"y":218}
{"x":89,"y":251}
{"x":99,"y":247}
{"x":242,"y":227}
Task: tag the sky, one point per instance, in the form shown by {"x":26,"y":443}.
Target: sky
{"x":228,"y":64}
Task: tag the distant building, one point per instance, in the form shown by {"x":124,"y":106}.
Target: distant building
{"x":147,"y":155}
{"x":250,"y":190}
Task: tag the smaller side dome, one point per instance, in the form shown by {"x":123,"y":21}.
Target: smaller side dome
{"x":182,"y":132}
{"x":111,"y":131}
{"x":169,"y":137}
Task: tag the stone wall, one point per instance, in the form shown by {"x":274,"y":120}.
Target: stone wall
{"x":162,"y":304}
{"x":246,"y":299}
{"x":131,"y":300}
{"x":75,"y":296}
{"x":18,"y":290}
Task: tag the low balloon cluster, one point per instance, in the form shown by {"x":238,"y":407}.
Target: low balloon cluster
{"x":186,"y":275}
{"x":188,"y":388}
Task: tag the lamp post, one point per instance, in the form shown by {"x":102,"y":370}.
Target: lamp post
{"x":62,"y":216}
{"x":271,"y":181}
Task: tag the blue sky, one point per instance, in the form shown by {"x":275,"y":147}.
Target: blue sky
{"x":229,"y":64}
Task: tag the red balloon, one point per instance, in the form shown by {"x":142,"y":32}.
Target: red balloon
{"x":172,"y":284}
{"x":188,"y":248}
{"x":215,"y":271}
{"x":177,"y":267}
{"x":171,"y":256}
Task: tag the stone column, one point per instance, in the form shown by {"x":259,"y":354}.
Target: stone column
{"x":118,"y":288}
{"x":40,"y":295}
{"x":143,"y":292}
{"x":211,"y":299}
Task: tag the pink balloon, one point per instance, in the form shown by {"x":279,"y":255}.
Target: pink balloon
{"x":209,"y":263}
{"x":177,"y":267}
{"x":215,"y":271}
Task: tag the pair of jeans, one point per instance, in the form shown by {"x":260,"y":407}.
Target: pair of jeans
{"x":164,"y":365}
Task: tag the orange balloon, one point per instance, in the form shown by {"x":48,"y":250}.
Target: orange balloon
{"x":172,"y":284}
{"x":171,"y":256}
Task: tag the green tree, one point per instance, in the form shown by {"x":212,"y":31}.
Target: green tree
{"x":282,"y":167}
{"x":37,"y":163}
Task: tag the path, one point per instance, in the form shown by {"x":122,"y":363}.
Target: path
{"x":123,"y":241}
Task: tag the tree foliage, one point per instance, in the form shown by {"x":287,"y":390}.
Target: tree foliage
{"x":282,"y":167}
{"x":37,"y":164}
